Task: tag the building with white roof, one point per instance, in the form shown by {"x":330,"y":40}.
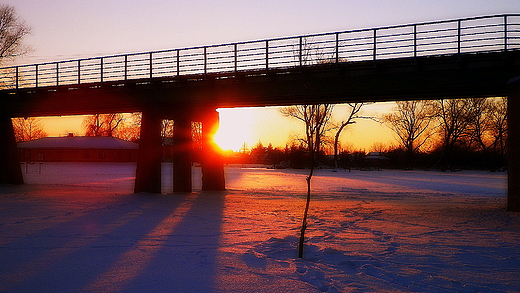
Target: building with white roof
{"x":78,"y":149}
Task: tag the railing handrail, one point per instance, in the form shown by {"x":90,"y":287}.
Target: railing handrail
{"x":371,"y":44}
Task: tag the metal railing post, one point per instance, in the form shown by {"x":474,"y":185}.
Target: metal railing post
{"x":505,"y":33}
{"x":126,"y":68}
{"x":101,"y":69}
{"x":236,"y":57}
{"x":178,"y":62}
{"x":266,"y":56}
{"x":57,"y":73}
{"x":459,"y":36}
{"x":205,"y":60}
{"x":301,"y":51}
{"x":150,"y":70}
{"x":374,"y":52}
{"x":151,"y":66}
{"x":16,"y":77}
{"x":415,"y":41}
{"x":337,"y":48}
{"x":79,"y":71}
{"x":36,"y":76}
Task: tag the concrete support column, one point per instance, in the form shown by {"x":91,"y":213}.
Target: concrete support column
{"x":10,"y":170}
{"x":212,"y":163}
{"x":148,"y":173}
{"x":513,"y":151}
{"x":182,"y":154}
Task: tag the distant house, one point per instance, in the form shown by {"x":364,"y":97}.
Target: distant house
{"x":78,"y":149}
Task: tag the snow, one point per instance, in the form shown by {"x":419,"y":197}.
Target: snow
{"x":77,"y":227}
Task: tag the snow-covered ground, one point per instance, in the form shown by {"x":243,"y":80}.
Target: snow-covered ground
{"x":78,"y":228}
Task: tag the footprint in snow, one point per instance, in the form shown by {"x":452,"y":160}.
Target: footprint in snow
{"x":254,"y":260}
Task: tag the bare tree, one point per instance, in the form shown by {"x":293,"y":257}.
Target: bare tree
{"x":196,"y":133}
{"x":380,"y":147}
{"x":316,"y":118}
{"x":12,"y":31}
{"x":411,"y":122}
{"x":93,"y":125}
{"x":355,"y":108}
{"x":167,"y":129}
{"x":487,"y":131}
{"x":130,"y":128}
{"x":103,"y":124}
{"x":28,"y":129}
{"x":480,"y":124}
{"x":498,"y":124}
{"x":455,"y":116}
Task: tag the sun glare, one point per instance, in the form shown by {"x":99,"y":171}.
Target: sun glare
{"x":235,"y":128}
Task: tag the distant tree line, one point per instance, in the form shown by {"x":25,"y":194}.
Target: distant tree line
{"x":447,"y":134}
{"x":450,"y":134}
{"x":294,"y":156}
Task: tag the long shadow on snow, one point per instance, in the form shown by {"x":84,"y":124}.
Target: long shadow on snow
{"x":147,"y":244}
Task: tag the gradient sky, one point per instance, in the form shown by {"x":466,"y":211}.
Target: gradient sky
{"x":71,"y":29}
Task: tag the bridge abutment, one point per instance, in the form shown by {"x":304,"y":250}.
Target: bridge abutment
{"x":513,"y":152}
{"x":10,"y":170}
{"x":212,"y":161}
{"x":148,"y":171}
{"x":182,"y":154}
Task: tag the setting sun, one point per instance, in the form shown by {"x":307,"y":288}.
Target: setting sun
{"x":235,"y":129}
{"x":246,"y":127}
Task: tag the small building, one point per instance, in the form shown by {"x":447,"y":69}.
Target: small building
{"x":78,"y":149}
{"x":376,"y":161}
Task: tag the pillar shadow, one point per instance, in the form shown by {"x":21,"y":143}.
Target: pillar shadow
{"x":144,"y":243}
{"x":187,"y":260}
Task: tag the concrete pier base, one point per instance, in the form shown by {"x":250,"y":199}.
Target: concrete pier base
{"x":182,"y":154}
{"x":10,"y":170}
{"x":212,"y":162}
{"x":513,"y":152}
{"x":148,"y":172}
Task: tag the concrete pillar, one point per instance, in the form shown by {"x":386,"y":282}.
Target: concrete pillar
{"x":10,"y":170}
{"x":212,"y":163}
{"x":513,"y":151}
{"x":148,"y":173}
{"x":182,"y":153}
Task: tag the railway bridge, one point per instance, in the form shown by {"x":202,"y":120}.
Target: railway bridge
{"x":460,"y":58}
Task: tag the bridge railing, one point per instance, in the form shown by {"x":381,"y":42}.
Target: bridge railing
{"x":469,"y":35}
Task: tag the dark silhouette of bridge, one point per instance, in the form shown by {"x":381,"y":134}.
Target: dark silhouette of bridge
{"x":462,"y":58}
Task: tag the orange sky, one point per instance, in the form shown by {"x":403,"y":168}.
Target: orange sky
{"x":266,"y":125}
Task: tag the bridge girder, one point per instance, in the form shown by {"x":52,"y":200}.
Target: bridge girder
{"x":451,"y":76}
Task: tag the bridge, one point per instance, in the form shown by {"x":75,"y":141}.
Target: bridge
{"x":461,"y":58}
